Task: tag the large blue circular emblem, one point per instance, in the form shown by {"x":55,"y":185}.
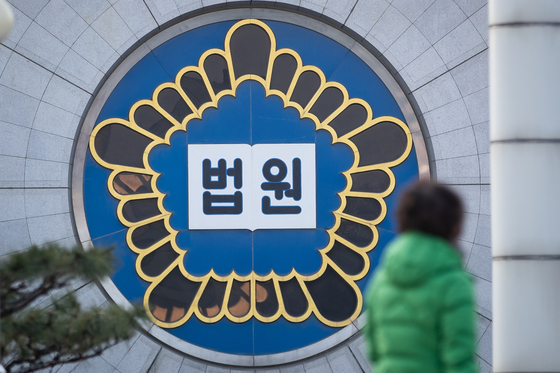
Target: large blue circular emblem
{"x":245,"y":173}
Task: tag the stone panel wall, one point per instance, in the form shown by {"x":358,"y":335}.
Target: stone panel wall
{"x":60,"y":50}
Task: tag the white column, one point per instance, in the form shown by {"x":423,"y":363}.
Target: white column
{"x":525,"y":175}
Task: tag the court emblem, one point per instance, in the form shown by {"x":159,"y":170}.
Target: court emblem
{"x":251,"y":186}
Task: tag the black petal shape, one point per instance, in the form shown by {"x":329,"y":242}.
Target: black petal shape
{"x":363,"y":208}
{"x":355,"y":233}
{"x":151,"y":120}
{"x":329,"y":100}
{"x":140,"y":209}
{"x":349,"y":119}
{"x":294,"y":298}
{"x":158,"y":260}
{"x":250,"y":51}
{"x":195,"y":89}
{"x":210,"y":303}
{"x":147,"y":235}
{"x":347,"y":259}
{"x":267,"y":302}
{"x":334,"y":297}
{"x":283,"y":71}
{"x":216,"y":69}
{"x":375,"y":181}
{"x":120,"y":145}
{"x":171,"y":101}
{"x":172,"y":297}
{"x":381,"y":143}
{"x":307,"y":85}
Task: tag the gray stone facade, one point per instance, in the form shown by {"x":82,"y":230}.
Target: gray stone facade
{"x":60,"y":50}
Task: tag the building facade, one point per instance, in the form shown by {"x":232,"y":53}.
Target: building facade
{"x":167,"y":128}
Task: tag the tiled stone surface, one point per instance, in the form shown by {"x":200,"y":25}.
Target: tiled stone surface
{"x":94,"y":365}
{"x":89,"y":10}
{"x":166,"y":362}
{"x":14,"y":139}
{"x":366,"y":13}
{"x":463,"y":170}
{"x":91,"y":46}
{"x":56,"y":121}
{"x":62,"y":21}
{"x":482,"y":324}
{"x":13,"y":204}
{"x":79,"y":71}
{"x":437,"y":93}
{"x":339,"y":10}
{"x":484,"y":346}
{"x":439,"y":19}
{"x":423,"y":69}
{"x":465,"y":248}
{"x":342,"y":360}
{"x":412,"y":9}
{"x":59,"y":50}
{"x":359,"y":349}
{"x":163,"y":10}
{"x":293,"y":369}
{"x":15,"y":236}
{"x":44,"y":229}
{"x":186,"y":6}
{"x":480,"y":262}
{"x":114,"y":30}
{"x":460,"y":44}
{"x":409,"y":46}
{"x":470,"y":6}
{"x":39,"y":173}
{"x":483,"y":296}
{"x":115,"y":354}
{"x":468,"y":232}
{"x":315,"y":5}
{"x":480,"y":21}
{"x":447,"y":118}
{"x":390,"y":26}
{"x":16,"y":107}
{"x":21,"y":23}
{"x":482,"y":135}
{"x":65,"y":95}
{"x":470,"y":195}
{"x":12,"y":172}
{"x":472,"y":75}
{"x":192,"y":366}
{"x":42,"y":47}
{"x":24,"y":76}
{"x":48,"y":147}
{"x":43,"y":202}
{"x":136,"y":15}
{"x":30,"y":7}
{"x":217,"y":369}
{"x":478,"y":106}
{"x":140,"y":357}
{"x":317,"y":365}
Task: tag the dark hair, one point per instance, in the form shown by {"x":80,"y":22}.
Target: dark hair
{"x":431,"y":208}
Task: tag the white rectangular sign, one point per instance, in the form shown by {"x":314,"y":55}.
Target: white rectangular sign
{"x":239,"y":186}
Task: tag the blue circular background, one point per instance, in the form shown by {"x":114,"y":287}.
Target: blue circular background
{"x":162,"y":65}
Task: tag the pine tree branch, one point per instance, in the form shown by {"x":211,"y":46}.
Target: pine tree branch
{"x":25,"y":298}
{"x":34,"y":339}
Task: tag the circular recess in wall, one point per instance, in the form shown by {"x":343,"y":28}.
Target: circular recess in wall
{"x":245,"y":169}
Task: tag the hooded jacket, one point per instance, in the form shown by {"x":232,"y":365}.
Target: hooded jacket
{"x":420,"y":309}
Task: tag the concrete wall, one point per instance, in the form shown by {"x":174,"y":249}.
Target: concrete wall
{"x":59,"y":50}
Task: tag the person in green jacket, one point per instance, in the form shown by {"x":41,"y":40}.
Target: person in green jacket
{"x":420,"y":303}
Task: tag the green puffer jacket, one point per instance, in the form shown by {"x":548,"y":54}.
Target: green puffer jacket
{"x":420,"y":309}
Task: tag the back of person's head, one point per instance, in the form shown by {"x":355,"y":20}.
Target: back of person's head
{"x":430,"y":208}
